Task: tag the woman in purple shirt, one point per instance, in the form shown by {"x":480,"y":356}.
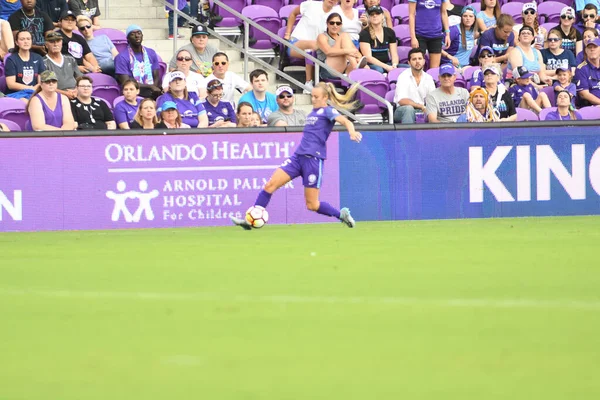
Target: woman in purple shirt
{"x":564,"y":109}
{"x":48,"y":109}
{"x":429,"y":28}
{"x":308,"y":159}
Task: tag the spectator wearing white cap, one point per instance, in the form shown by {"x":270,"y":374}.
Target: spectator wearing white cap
{"x":571,"y":38}
{"x":587,"y":75}
{"x":220,"y":113}
{"x":447,"y":102}
{"x":287,"y":115}
{"x":138,"y":62}
{"x":531,"y":19}
{"x":188,"y":103}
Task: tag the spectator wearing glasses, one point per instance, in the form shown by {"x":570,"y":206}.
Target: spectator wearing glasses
{"x":126,"y":109}
{"x":587,"y":76}
{"x":462,"y":40}
{"x":89,"y":8}
{"x":230,"y":80}
{"x":588,"y":35}
{"x":500,"y":39}
{"x":263,"y":102}
{"x":525,"y":55}
{"x":555,"y":56}
{"x":335,"y":48}
{"x":188,"y":103}
{"x":486,"y":58}
{"x":220,"y":113}
{"x":287,"y":115}
{"x":102,"y":47}
{"x":201,"y":51}
{"x":530,"y":19}
{"x":429,"y":29}
{"x":64,"y":66}
{"x":89,"y":112}
{"x":589,"y":15}
{"x":138,"y":62}
{"x":145,"y":117}
{"x":76,"y":45}
{"x":488,"y":16}
{"x":49,"y":110}
{"x":564,"y":109}
{"x":193,"y":80}
{"x":23,"y":68}
{"x":447,"y":102}
{"x":387,"y":17}
{"x":54,"y":9}
{"x":38,"y":23}
{"x":571,"y":38}
{"x":498,"y":95}
{"x":479,"y":108}
{"x":378,"y":43}
{"x":244,"y":115}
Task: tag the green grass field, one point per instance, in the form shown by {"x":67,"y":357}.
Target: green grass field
{"x":469,"y":309}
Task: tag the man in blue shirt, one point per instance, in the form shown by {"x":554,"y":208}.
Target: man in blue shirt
{"x":263,"y":102}
{"x":500,"y":39}
{"x":587,"y":75}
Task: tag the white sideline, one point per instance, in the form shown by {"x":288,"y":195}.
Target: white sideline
{"x":292,"y":299}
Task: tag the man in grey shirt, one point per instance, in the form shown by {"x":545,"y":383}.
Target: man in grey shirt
{"x":64,"y":66}
{"x":286,"y":115}
{"x":447,"y":102}
{"x":201,"y":52}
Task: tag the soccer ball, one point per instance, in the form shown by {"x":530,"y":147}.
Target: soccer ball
{"x":257,"y":216}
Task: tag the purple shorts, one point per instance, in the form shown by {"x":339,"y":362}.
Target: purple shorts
{"x":309,"y":167}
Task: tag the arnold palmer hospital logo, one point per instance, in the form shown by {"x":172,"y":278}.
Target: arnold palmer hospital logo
{"x":121,"y":196}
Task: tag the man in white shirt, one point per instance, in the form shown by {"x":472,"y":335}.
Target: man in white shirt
{"x":230,"y":80}
{"x":412,"y":88}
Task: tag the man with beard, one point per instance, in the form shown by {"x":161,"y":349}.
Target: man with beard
{"x":479,"y":108}
{"x":37,"y":22}
{"x":286,"y":115}
{"x":412,"y":88}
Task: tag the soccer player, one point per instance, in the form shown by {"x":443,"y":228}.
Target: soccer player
{"x":307,"y":160}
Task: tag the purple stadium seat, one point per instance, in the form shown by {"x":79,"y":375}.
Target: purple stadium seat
{"x":108,"y":103}
{"x":400,"y":14}
{"x":545,"y":112}
{"x":392,"y":76}
{"x":13,"y":126}
{"x":526,"y":115}
{"x":549,"y":90}
{"x":548,"y":26}
{"x":549,"y":11}
{"x":285,"y":12}
{"x":14,"y":110}
{"x":402,"y":34}
{"x":121,"y":98}
{"x":403,"y":54}
{"x":268,"y":19}
{"x":386,"y":4}
{"x":569,"y":3}
{"x":503,"y":2}
{"x":162,"y":70}
{"x":274,"y":4}
{"x":294,"y":2}
{"x":2,"y":83}
{"x":375,"y":82}
{"x":116,"y":36}
{"x":514,"y":9}
{"x":590,"y":112}
{"x":476,"y":6}
{"x":229,"y":20}
{"x":435,"y":74}
{"x":389,"y":96}
{"x":105,"y":86}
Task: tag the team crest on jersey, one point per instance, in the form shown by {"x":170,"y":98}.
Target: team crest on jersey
{"x":224,"y":111}
{"x":320,"y":111}
{"x":28,"y":75}
{"x":312,"y":178}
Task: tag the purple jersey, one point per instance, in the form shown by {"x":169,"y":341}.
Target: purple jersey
{"x":189,"y":109}
{"x":517,"y":92}
{"x":125,"y":112}
{"x":428,"y":18}
{"x":223,"y":111}
{"x":555,"y":116}
{"x":500,"y":47}
{"x":319,"y":124}
{"x":587,"y":77}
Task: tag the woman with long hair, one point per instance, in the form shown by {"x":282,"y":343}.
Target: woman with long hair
{"x":387,"y":17}
{"x":555,"y":56}
{"x":429,"y":28}
{"x":126,"y":109}
{"x":145,"y":117}
{"x":48,"y":109}
{"x":193,"y":80}
{"x":564,"y":109}
{"x":571,"y":38}
{"x":22,"y":68}
{"x":244,"y":115}
{"x":308,"y":158}
{"x":525,"y":55}
{"x":335,"y":48}
{"x":170,"y":116}
{"x":188,"y":103}
{"x":378,"y":43}
{"x":531,"y":19}
{"x":462,"y":40}
{"x":220,"y":113}
{"x":498,"y":95}
{"x":587,"y":35}
{"x":486,"y":18}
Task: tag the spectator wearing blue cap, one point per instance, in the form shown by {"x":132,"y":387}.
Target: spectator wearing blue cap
{"x":170,"y":116}
{"x":462,"y":40}
{"x":188,"y":103}
{"x":587,"y":75}
{"x":138,"y":62}
{"x":447,"y":102}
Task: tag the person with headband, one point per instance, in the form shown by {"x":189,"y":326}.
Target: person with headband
{"x":525,"y":55}
{"x":220,"y":113}
{"x":479,"y":108}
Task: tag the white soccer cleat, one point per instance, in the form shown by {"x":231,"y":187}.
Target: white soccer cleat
{"x":241,"y":223}
{"x":346,"y":218}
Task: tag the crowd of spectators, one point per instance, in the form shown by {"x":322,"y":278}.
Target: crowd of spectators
{"x":465,"y":65}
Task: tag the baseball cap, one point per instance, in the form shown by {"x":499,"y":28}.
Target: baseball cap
{"x":521,"y":72}
{"x":530,"y":6}
{"x":447,"y":69}
{"x":595,"y":41}
{"x":468,"y":8}
{"x":375,"y":10}
{"x":562,"y":68}
{"x":53,"y":37}
{"x":283,"y":89}
{"x":567,"y":11}
{"x":48,"y":75}
{"x":133,"y":28}
{"x":486,"y":48}
{"x":176,"y":75}
{"x":168,"y":105}
{"x":492,"y":69}
{"x":199,"y":30}
{"x":66,"y":14}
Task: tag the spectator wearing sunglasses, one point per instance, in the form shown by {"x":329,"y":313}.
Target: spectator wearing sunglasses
{"x":102,"y":47}
{"x":287,"y":115}
{"x":231,"y":81}
{"x":54,"y":9}
{"x":193,"y":80}
{"x":589,"y":15}
{"x":555,"y":56}
{"x":76,"y":45}
{"x":220,"y":113}
{"x":571,"y":38}
{"x":486,"y":58}
{"x":530,"y":19}
{"x":201,"y":51}
{"x":89,"y":8}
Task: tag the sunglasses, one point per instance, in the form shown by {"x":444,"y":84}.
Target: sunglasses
{"x":338,"y":23}
{"x":216,"y":63}
{"x":184,"y":58}
{"x":529,"y":12}
{"x":488,"y":55}
{"x":566,"y":17}
{"x":285,"y":96}
{"x":217,"y":96}
{"x":588,"y":16}
{"x":215,"y":86}
{"x":84,"y":27}
{"x":553,"y":39}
